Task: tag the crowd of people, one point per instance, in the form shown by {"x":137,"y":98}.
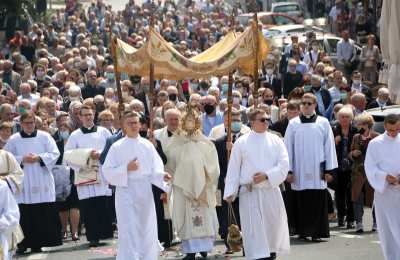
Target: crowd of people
{"x":74,"y":160}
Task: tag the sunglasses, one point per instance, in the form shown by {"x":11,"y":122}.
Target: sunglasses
{"x":263,"y":120}
{"x":307,"y":103}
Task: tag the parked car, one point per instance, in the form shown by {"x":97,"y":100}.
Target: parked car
{"x":268,"y":19}
{"x":328,"y":43}
{"x":379,"y":115}
{"x":292,"y":9}
{"x":287,"y":30}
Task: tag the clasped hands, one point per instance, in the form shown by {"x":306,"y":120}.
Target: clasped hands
{"x":392,"y":180}
{"x":31,"y":158}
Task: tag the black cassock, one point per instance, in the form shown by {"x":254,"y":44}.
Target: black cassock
{"x":222,"y":211}
{"x":164,"y":226}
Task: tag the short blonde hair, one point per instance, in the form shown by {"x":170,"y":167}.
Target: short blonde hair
{"x":105,"y":113}
{"x":365,"y":118}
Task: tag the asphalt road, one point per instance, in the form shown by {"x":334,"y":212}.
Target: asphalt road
{"x":343,"y":244}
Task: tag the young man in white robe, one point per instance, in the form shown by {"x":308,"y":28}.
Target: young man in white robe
{"x":132,"y":165}
{"x":382,"y":167}
{"x":9,"y":219}
{"x":95,"y":198}
{"x":258,"y":165}
{"x":36,"y":152}
{"x":312,"y":159}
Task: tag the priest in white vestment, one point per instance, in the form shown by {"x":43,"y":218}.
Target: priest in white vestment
{"x":258,"y":165}
{"x":312,"y":159}
{"x":195,"y":169}
{"x":95,"y":197}
{"x":382,"y":167}
{"x":10,"y":171}
{"x":37,"y":152}
{"x":132,"y":165}
{"x":9,"y":219}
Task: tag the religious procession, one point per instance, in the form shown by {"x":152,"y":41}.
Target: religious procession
{"x":200,"y":129}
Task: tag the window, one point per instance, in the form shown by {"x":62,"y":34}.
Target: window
{"x":332,"y":45}
{"x":286,"y":8}
{"x":282,"y":20}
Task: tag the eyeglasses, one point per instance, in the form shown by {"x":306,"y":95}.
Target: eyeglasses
{"x":307,"y":103}
{"x":263,"y":120}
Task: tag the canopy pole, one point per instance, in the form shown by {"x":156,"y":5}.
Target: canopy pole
{"x":113,"y":43}
{"x":151,"y":79}
{"x":230,"y":101}
{"x":256,"y":58}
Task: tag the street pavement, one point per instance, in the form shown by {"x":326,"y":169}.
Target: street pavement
{"x":344,"y":245}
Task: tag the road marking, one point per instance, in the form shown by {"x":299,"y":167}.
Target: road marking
{"x":37,"y":256}
{"x":340,"y":234}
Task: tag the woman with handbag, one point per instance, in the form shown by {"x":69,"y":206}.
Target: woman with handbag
{"x":361,"y":192}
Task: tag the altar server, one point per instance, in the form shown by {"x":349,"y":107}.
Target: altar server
{"x":36,"y":152}
{"x":258,"y":165}
{"x":132,"y":165}
{"x":383,"y":172}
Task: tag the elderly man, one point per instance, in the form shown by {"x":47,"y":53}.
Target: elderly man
{"x":143,"y":95}
{"x":173,"y":95}
{"x":12,"y":78}
{"x":292,"y":79}
{"x":324,"y":99}
{"x":211,"y":117}
{"x":26,"y":93}
{"x":109,"y":81}
{"x":359,"y":102}
{"x":382,"y":100}
{"x":91,"y":89}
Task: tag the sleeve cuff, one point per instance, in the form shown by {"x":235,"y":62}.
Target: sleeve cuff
{"x":41,"y":162}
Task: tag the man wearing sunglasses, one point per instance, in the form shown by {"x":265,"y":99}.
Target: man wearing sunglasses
{"x":258,"y":165}
{"x":312,"y":157}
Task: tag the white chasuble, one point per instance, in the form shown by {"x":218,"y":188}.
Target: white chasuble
{"x":195,"y":170}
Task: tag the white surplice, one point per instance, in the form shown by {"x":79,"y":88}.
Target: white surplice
{"x":382,"y":159}
{"x":308,"y":145}
{"x":262,"y":211}
{"x":9,"y":219}
{"x":96,"y":141}
{"x":134,"y":202}
{"x":38,"y":182}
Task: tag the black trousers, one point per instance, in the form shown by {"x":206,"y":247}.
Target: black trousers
{"x":41,"y":225}
{"x":343,"y":196}
{"x":97,"y":217}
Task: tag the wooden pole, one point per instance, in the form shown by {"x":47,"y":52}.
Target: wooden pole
{"x":113,"y":45}
{"x":151,"y":79}
{"x":256,"y":58}
{"x":230,"y":82}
